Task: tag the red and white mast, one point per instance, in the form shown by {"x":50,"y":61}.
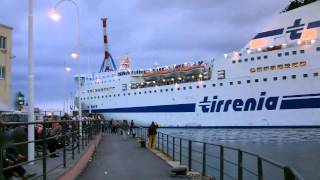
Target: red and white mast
{"x":107,"y":65}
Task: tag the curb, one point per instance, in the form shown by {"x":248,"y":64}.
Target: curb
{"x":74,"y":171}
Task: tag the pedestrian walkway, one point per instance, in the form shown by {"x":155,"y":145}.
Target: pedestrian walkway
{"x":119,"y":158}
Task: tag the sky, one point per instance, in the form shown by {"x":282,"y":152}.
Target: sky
{"x":149,"y":31}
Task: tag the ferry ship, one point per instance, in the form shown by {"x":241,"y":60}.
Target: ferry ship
{"x":273,"y":81}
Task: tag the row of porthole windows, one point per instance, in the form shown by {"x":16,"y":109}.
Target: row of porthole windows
{"x":252,"y":59}
{"x":248,"y":81}
{"x":292,"y":53}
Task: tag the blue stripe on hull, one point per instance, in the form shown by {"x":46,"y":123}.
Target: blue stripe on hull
{"x":300,"y":103}
{"x":151,"y":109}
{"x":301,"y":95}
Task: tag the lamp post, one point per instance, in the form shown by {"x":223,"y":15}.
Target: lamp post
{"x":30,"y":84}
{"x":55,"y":15}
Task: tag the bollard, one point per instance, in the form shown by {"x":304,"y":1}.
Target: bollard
{"x":204,"y":159}
{"x":240,"y":165}
{"x":221,"y":162}
{"x":190,"y":155}
{"x":260,"y":170}
{"x":173,"y":148}
{"x":44,"y":152}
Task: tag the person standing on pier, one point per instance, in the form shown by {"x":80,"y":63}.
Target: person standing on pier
{"x":131,"y":127}
{"x":152,"y":131}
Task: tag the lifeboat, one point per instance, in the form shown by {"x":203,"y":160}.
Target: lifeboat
{"x":151,"y":76}
{"x":168,"y":74}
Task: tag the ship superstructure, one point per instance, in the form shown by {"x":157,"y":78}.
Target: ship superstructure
{"x":273,"y":81}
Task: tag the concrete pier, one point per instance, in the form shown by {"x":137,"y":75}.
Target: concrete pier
{"x":120,"y":158}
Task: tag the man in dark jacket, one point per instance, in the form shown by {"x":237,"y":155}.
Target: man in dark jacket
{"x":152,"y":131}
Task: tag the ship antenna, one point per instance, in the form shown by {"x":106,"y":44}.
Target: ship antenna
{"x":108,"y":62}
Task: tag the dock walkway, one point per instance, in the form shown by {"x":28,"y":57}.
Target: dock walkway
{"x":119,"y":158}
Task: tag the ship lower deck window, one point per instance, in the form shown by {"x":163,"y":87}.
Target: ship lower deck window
{"x":315,"y":74}
{"x":265,"y":57}
{"x":279,"y":54}
{"x":221,"y":84}
{"x":286,"y":53}
{"x":184,"y":88}
{"x":204,"y":86}
{"x":293,"y":76}
{"x":231,"y":83}
{"x":259,"y":57}
{"x":275,"y":78}
{"x":284,"y":77}
{"x":256,"y":80}
{"x":160,"y":90}
{"x":119,"y":95}
{"x":265,"y":79}
{"x":233,"y":62}
{"x":135,"y":93}
{"x":139,"y":92}
{"x":248,"y":81}
{"x":155,"y":91}
{"x":190,"y":87}
{"x":305,"y":75}
{"x":301,"y":51}
{"x":318,"y":48}
{"x":150,"y":92}
{"x":294,"y":52}
{"x":213,"y":85}
{"x":246,"y":60}
{"x":239,"y":82}
{"x":252,"y":59}
{"x":239,"y":61}
{"x":178,"y":89}
{"x":166,"y":89}
{"x":198,"y":86}
{"x":171,"y":89}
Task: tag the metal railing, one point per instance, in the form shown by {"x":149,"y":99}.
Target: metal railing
{"x":220,"y":161}
{"x":71,"y":140}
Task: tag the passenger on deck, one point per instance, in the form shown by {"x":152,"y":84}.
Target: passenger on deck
{"x":131,"y":127}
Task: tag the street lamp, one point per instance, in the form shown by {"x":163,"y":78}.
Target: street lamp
{"x":56,"y":16}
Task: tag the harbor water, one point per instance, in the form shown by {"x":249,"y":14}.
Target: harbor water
{"x":295,"y":147}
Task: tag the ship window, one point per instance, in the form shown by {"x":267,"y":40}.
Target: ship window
{"x":204,"y":86}
{"x":252,"y":70}
{"x":265,"y":79}
{"x":118,"y":94}
{"x":318,"y":48}
{"x":109,"y":95}
{"x":259,"y":69}
{"x":178,"y":89}
{"x":198,"y":86}
{"x":248,"y":81}
{"x":266,"y":68}
{"x":305,"y":75}
{"x":239,"y":82}
{"x":293,"y":76}
{"x":252,"y":59}
{"x":114,"y":95}
{"x":294,"y":52}
{"x":239,"y":60}
{"x":135,"y":93}
{"x":233,"y":62}
{"x":275,"y":78}
{"x":259,"y":57}
{"x":213,"y":85}
{"x":190,"y":87}
{"x":279,"y":54}
{"x":246,"y":60}
{"x":166,"y":89}
{"x":160,"y":90}
{"x":171,"y":89}
{"x":287,"y":65}
{"x":265,"y":57}
{"x":231,"y":83}
{"x":139,"y":92}
{"x":315,"y":74}
{"x":256,"y":80}
{"x":286,"y":53}
{"x":184,"y":88}
{"x":284,"y":77}
{"x":145,"y":92}
{"x":280,"y":66}
{"x":155,"y":91}
{"x":221,"y":84}
{"x":301,"y":51}
{"x":150,"y":92}
{"x":124,"y":94}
